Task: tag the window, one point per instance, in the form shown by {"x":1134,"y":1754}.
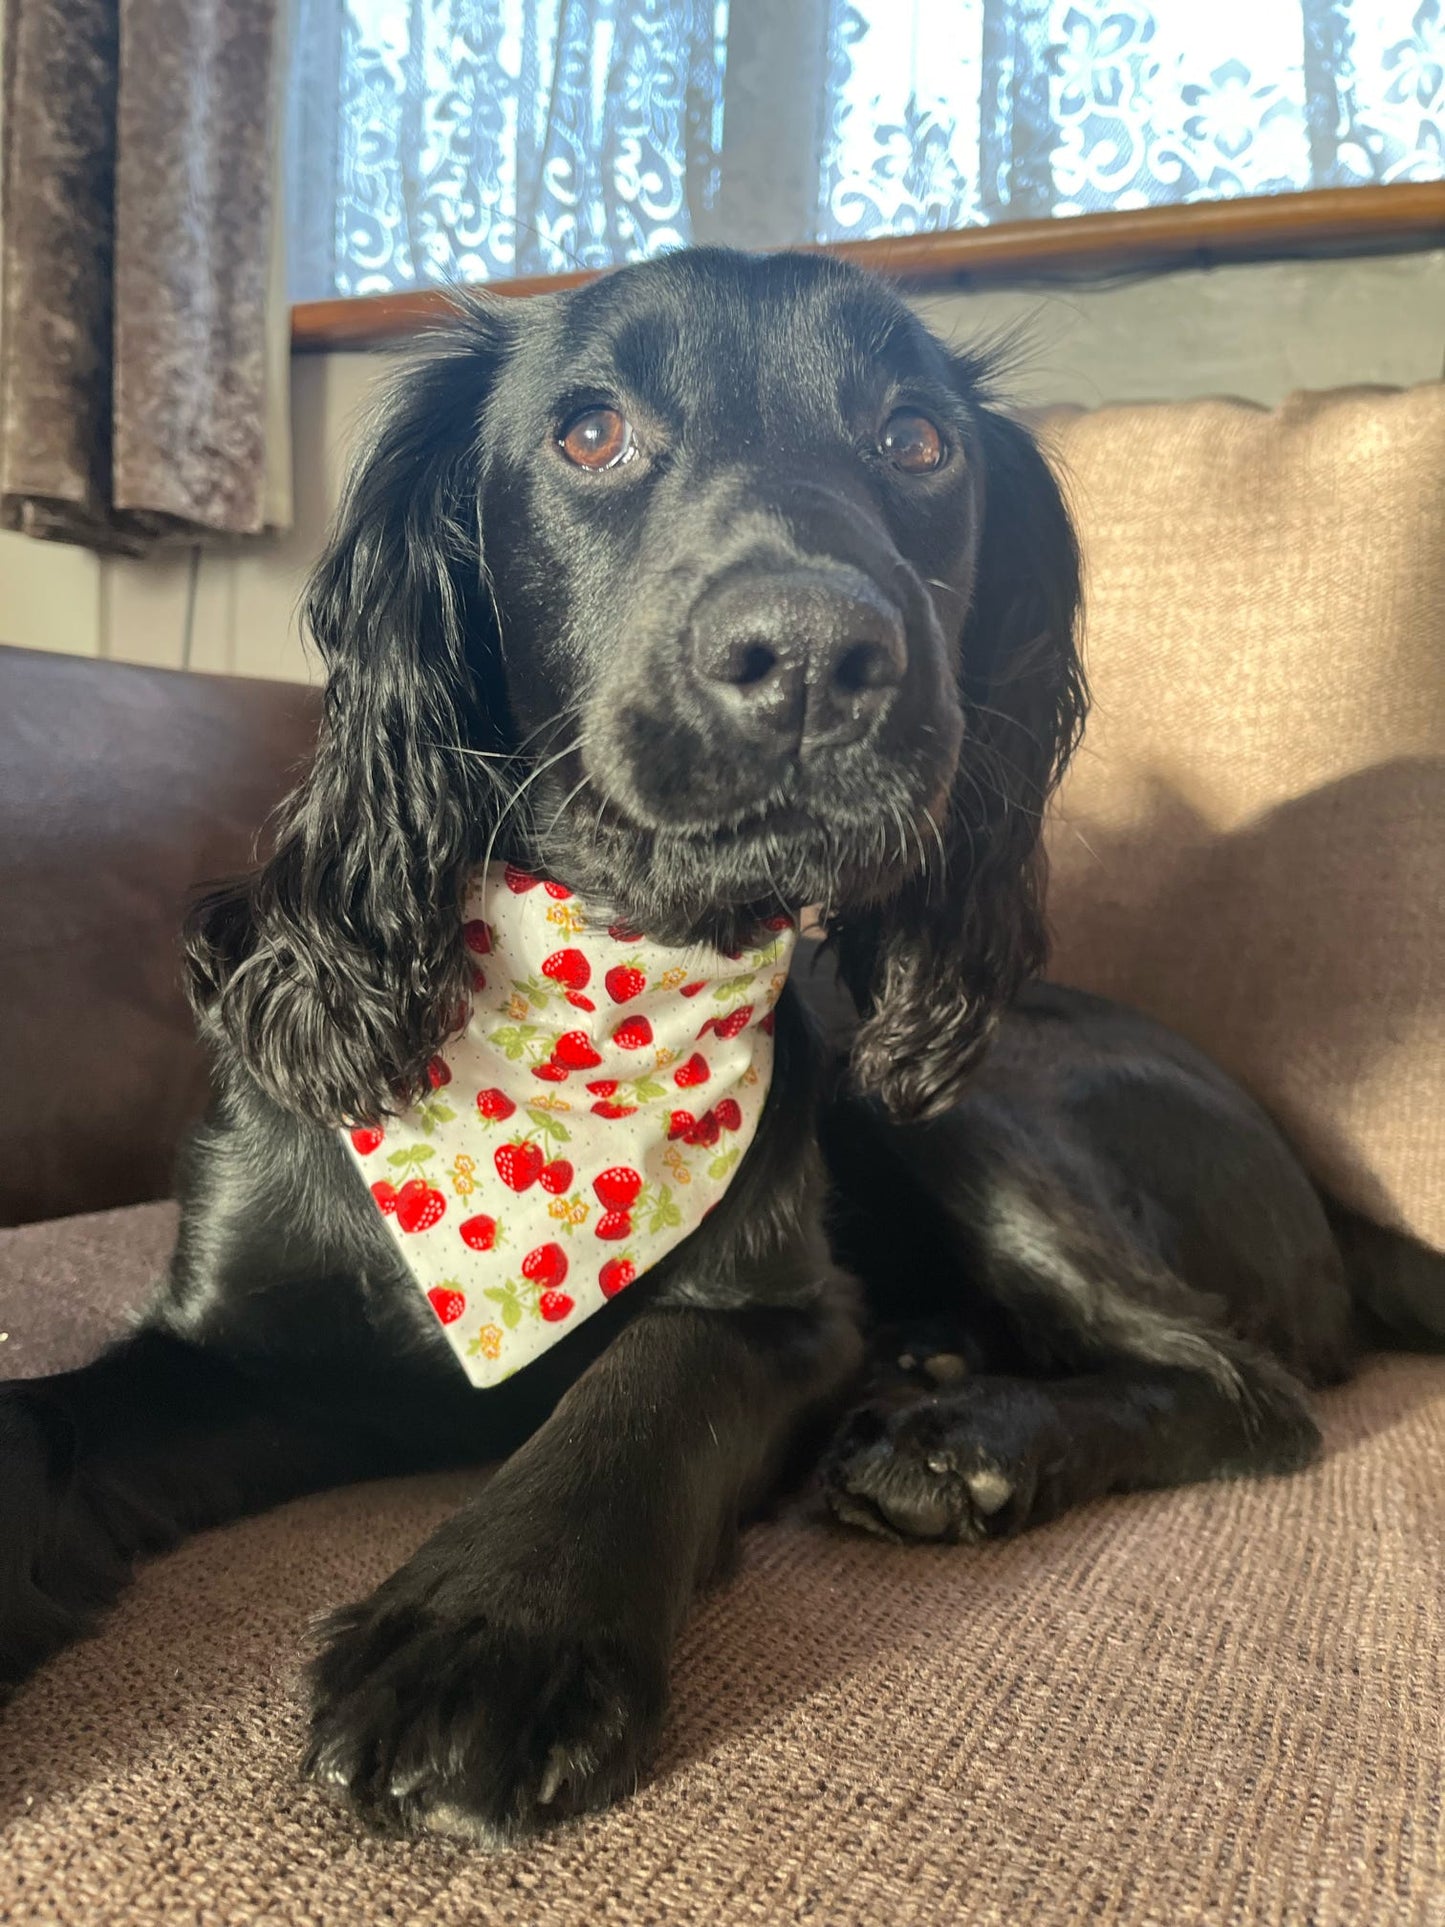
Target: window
{"x":436,"y":140}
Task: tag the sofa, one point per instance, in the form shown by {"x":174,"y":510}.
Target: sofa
{"x":1217,"y":1705}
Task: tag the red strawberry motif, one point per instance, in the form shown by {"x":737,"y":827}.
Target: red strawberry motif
{"x":519,"y":1164}
{"x":494,"y":1105}
{"x":603,"y":1087}
{"x":479,"y":980}
{"x":708,"y":1024}
{"x":574,"y":1049}
{"x":624,"y":933}
{"x":617,"y":1187}
{"x":557,"y":890}
{"x":680,"y":1123}
{"x":438,"y":1072}
{"x":615,"y":1224}
{"x":552,"y":1073}
{"x":418,"y":1206}
{"x":546,"y":1266}
{"x":366,"y":1138}
{"x":518,"y":881}
{"x":554,"y":1306}
{"x":707,"y":1130}
{"x":624,"y":981}
{"x":605,"y":1107}
{"x":448,"y":1305}
{"x":569,"y":968}
{"x":633,"y":1033}
{"x":691,"y":990}
{"x":728,"y":1113}
{"x":579,"y":1002}
{"x":615,"y":1275}
{"x":385,"y":1194}
{"x":735,"y":1021}
{"x":477,"y":936}
{"x":765,"y":1024}
{"x":479,"y":1232}
{"x":556,"y":1176}
{"x":694,"y":1071}
{"x":777,"y":923}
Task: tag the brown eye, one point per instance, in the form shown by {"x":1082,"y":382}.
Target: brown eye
{"x":597,"y":438}
{"x":911,"y":442}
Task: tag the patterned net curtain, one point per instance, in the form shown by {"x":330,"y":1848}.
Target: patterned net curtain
{"x":440,"y":140}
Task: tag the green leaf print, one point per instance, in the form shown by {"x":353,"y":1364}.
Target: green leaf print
{"x":664,"y":1212}
{"x":647,"y":1090}
{"x":549,"y":1127}
{"x":723,"y":1163}
{"x":506,"y":1299}
{"x":732,"y":987}
{"x":414,"y":1154}
{"x":533,"y":989}
{"x":433,"y":1112}
{"x":514,"y":1040}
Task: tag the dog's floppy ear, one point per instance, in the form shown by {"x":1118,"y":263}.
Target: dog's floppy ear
{"x":336,"y":970}
{"x":932,"y":970}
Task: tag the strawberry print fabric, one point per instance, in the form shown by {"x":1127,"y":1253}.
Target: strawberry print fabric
{"x":594,"y":1108}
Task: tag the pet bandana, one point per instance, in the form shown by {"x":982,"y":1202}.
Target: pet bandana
{"x":592,"y":1111}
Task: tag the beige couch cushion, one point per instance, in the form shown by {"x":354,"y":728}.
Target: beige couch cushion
{"x":1251,"y":844}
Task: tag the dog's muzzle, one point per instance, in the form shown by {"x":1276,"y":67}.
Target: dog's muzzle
{"x":797,"y":660}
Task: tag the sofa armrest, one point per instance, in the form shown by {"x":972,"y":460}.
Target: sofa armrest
{"x":120,"y":790}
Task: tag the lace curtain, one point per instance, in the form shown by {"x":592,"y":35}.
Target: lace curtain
{"x":436,"y":140}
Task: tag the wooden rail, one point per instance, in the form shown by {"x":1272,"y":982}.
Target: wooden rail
{"x":1331,"y":219}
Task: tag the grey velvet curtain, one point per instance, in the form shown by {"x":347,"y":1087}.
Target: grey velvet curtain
{"x":141,"y":374}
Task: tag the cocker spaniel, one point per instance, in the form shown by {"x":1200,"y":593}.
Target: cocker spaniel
{"x":656,"y":612}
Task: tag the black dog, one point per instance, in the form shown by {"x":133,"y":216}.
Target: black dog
{"x":714,"y":587}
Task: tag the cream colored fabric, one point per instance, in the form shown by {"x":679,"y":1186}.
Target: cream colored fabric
{"x":1251,"y":844}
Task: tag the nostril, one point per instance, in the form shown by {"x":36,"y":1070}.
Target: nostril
{"x":753,"y":663}
{"x":863,"y":665}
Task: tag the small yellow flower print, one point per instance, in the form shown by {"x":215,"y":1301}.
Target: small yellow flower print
{"x":567,"y":917}
{"x":775,"y":988}
{"x":569,"y":1210}
{"x":749,"y":1076}
{"x":463,"y":1183}
{"x":489,"y":1341}
{"x":670,"y":979}
{"x":547,"y":1102}
{"x":673,"y":1159}
{"x":517,"y":1007}
{"x":662,"y":1058}
{"x":464,"y":1164}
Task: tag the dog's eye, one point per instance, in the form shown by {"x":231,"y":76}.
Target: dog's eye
{"x":911,"y":442}
{"x":597,"y":438}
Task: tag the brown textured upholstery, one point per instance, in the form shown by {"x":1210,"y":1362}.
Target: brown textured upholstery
{"x":1192,"y":1709}
{"x":120,"y":789}
{"x":1251,"y":844}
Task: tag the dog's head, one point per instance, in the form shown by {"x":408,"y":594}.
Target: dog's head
{"x":716,"y":586}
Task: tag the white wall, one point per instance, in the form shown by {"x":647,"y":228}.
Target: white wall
{"x":1250,"y":331}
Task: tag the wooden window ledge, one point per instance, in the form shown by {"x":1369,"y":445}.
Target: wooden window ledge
{"x":1332,"y":220}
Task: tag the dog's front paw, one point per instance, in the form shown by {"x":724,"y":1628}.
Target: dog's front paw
{"x":979,"y":1463}
{"x":482,"y":1724}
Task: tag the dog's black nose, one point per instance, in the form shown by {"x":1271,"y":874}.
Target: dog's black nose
{"x":803,"y":655}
